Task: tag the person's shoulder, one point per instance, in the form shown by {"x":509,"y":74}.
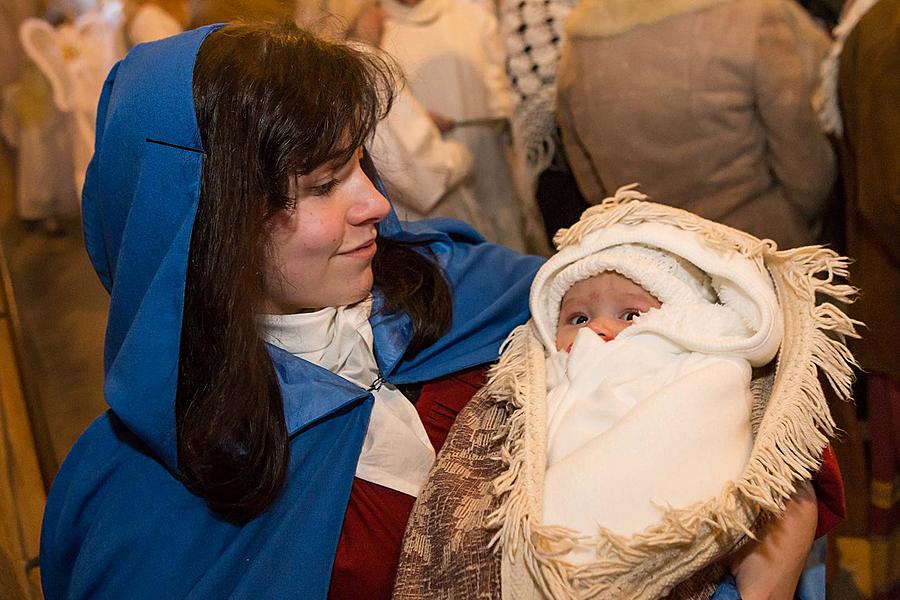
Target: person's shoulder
{"x":104,"y":448}
{"x":109,"y":471}
{"x":109,"y":444}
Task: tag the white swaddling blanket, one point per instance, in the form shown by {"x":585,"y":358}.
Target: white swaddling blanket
{"x":659,"y":417}
{"x":638,"y":424}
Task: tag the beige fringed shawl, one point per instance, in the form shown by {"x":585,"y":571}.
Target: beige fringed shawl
{"x":486,"y":485}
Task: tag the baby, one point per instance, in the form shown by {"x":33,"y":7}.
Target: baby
{"x":619,"y":448}
{"x":648,"y":400}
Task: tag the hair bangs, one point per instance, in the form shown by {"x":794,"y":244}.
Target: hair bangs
{"x":357,"y":95}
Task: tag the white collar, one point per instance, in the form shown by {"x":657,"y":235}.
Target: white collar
{"x":396,"y":452}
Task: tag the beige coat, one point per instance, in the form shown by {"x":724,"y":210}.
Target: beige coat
{"x":706,"y":103}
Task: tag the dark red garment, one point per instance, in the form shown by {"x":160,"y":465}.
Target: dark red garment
{"x":369,"y":546}
{"x":829,"y":488}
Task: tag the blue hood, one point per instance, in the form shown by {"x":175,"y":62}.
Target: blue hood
{"x":139,"y":202}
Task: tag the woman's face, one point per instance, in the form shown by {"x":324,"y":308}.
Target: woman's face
{"x":322,"y":248}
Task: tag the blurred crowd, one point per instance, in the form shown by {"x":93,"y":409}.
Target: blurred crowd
{"x":774,"y":116}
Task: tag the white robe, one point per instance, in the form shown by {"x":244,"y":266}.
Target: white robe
{"x":425,"y":174}
{"x":453,"y":59}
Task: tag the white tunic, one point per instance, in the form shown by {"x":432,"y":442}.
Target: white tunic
{"x":425,"y":174}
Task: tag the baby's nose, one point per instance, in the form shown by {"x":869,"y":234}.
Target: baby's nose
{"x":607,"y":329}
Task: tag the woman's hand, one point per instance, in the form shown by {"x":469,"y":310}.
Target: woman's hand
{"x":770,"y":569}
{"x":443,"y":123}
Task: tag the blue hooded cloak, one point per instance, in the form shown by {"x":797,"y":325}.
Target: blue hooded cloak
{"x":118,"y":522}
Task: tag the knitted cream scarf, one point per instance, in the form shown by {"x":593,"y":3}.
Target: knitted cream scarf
{"x":533,"y":32}
{"x":793,"y":428}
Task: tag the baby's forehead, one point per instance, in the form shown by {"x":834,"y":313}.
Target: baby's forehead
{"x":602,"y":284}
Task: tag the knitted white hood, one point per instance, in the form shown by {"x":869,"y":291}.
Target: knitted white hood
{"x":739,"y":285}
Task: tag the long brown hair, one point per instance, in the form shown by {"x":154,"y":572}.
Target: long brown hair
{"x":271,"y":101}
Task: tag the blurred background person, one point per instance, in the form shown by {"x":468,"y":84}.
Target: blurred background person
{"x":706,"y":103}
{"x":533,"y":33}
{"x":861,"y":91}
{"x":426,"y":174}
{"x":37,"y":129}
{"x":49,"y":112}
{"x":453,"y":59}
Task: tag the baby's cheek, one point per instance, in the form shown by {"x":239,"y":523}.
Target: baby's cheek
{"x":564,"y":339}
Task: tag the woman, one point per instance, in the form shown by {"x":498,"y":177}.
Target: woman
{"x":226,"y":466}
{"x":228,"y":202}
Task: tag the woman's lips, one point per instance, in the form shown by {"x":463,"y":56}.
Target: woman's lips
{"x":363,"y":251}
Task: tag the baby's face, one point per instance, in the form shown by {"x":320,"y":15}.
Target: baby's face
{"x":606,"y":303}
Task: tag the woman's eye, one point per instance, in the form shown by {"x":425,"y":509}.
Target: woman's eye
{"x":324,"y":189}
{"x":630,"y":315}
{"x":578,"y":320}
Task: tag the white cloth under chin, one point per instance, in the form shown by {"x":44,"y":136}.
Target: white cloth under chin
{"x":637,"y":425}
{"x":396,"y":451}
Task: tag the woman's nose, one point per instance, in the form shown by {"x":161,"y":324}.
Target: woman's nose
{"x":370,"y":206}
{"x":607,"y":329}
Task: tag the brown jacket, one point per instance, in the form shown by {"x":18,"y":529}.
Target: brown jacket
{"x":705,"y":103}
{"x":869,"y":92}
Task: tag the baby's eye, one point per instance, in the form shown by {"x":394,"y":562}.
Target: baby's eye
{"x":578,"y":320}
{"x":630,"y":314}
